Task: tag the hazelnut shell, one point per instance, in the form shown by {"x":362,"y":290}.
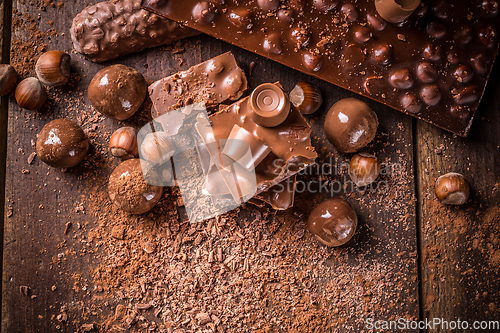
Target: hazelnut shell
{"x":123,"y":143}
{"x":117,"y":91}
{"x":62,"y":144}
{"x":30,"y":94}
{"x":8,"y":79}
{"x":53,"y":68}
{"x":364,"y":169}
{"x":452,"y":189}
{"x":306,"y":97}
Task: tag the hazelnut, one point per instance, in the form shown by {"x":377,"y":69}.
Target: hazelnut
{"x":30,"y":94}
{"x":62,"y":144}
{"x":128,"y":189}
{"x":53,"y":68}
{"x":117,"y":91}
{"x":157,"y":148}
{"x":350,"y":125}
{"x":452,"y":189}
{"x":333,"y":222}
{"x":306,"y":97}
{"x":123,"y":143}
{"x":364,"y":169}
{"x":8,"y":79}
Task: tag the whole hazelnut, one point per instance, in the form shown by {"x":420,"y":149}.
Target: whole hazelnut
{"x":350,"y":125}
{"x":62,"y":144}
{"x":452,"y":189}
{"x":128,"y":189}
{"x":364,"y":169}
{"x":30,"y":94}
{"x":117,"y":91}
{"x":333,"y":222}
{"x":306,"y":97}
{"x":123,"y":143}
{"x":157,"y":148}
{"x":8,"y":79}
{"x":53,"y":68}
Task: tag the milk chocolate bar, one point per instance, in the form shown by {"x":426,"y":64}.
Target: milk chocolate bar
{"x":110,"y":29}
{"x":211,"y":82}
{"x":289,"y":142}
{"x":434,"y":65}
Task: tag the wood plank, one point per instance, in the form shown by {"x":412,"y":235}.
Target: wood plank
{"x":374,"y":276}
{"x":459,"y":245}
{"x":5,"y":21}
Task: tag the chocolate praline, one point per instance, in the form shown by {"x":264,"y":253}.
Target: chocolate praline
{"x":350,"y":125}
{"x":117,"y":91}
{"x":128,"y":189}
{"x":62,"y":144}
{"x":333,"y":222}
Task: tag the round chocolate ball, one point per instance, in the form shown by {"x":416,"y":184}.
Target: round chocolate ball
{"x":333,"y":222}
{"x":62,"y":144}
{"x":128,"y":188}
{"x":117,"y":91}
{"x":350,"y":125}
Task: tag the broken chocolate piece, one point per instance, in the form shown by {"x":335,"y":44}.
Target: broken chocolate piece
{"x":211,"y":82}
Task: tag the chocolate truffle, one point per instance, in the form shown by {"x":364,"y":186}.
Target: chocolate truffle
{"x":350,"y":125}
{"x":333,"y":222}
{"x":128,"y":189}
{"x":117,"y":91}
{"x":62,"y":144}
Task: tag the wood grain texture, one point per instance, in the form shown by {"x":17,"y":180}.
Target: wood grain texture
{"x":39,"y":255}
{"x":459,"y":245}
{"x":5,"y":21}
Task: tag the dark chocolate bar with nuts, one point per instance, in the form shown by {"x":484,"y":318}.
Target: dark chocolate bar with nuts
{"x":111,"y":29}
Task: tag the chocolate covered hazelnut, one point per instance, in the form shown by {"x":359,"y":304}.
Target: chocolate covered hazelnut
{"x":431,"y":95}
{"x":62,"y":144}
{"x":382,"y":53}
{"x":268,"y":4}
{"x":325,"y":5}
{"x":333,"y":222}
{"x":117,"y":91}
{"x":410,"y":103}
{"x":350,"y":125}
{"x":401,"y":78}
{"x":426,"y":72}
{"x":350,"y":12}
{"x":128,"y":189}
{"x":241,"y":18}
{"x":300,"y":37}
{"x":273,"y":44}
{"x":312,"y":62}
{"x":204,"y":12}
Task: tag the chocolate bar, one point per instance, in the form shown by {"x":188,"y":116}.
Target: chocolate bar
{"x":211,"y":82}
{"x":110,"y":29}
{"x":279,"y":149}
{"x":434,"y":65}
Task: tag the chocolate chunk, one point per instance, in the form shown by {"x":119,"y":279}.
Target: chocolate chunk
{"x":97,"y":33}
{"x":211,"y":82}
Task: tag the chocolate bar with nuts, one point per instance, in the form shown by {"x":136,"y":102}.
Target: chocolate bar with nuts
{"x":211,"y":82}
{"x":431,"y":59}
{"x":110,"y":29}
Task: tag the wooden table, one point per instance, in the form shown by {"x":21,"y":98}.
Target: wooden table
{"x":447,"y":258}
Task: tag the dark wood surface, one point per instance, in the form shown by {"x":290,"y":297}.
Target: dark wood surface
{"x":443,"y":270}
